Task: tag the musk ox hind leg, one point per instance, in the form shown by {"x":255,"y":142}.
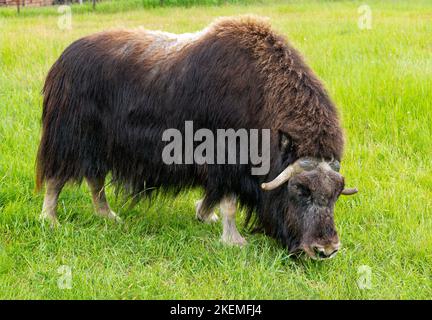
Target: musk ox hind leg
{"x":49,"y":208}
{"x":102,"y":208}
{"x":205,"y":214}
{"x":230,"y":234}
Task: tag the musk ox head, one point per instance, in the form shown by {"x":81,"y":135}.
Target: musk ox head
{"x":299,"y":205}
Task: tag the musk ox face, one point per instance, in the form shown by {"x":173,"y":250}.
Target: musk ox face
{"x":312,"y":196}
{"x":309,"y":189}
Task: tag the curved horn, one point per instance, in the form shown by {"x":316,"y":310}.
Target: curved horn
{"x":283,"y":177}
{"x":349,"y":192}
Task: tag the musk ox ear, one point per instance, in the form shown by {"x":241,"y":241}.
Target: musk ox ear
{"x":285,"y":142}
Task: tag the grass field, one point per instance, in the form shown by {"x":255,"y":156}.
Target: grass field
{"x":381,"y":80}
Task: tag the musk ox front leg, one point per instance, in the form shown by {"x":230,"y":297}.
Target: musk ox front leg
{"x":97,"y":187}
{"x":230,"y":234}
{"x":205,"y":214}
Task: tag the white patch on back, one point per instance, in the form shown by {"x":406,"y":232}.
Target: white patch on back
{"x":171,"y":42}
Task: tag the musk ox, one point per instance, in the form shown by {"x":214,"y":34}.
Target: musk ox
{"x":111,"y":95}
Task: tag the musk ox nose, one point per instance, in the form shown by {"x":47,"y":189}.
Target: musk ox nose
{"x":318,"y":251}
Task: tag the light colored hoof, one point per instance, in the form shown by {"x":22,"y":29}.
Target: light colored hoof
{"x":52,"y":220}
{"x":111,"y":215}
{"x":234,"y":240}
{"x":212,"y":217}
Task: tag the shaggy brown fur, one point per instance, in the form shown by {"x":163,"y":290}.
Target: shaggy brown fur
{"x":109,"y":97}
{"x":295,"y":101}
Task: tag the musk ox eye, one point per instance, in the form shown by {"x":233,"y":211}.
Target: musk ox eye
{"x":335,"y":165}
{"x":302,"y":190}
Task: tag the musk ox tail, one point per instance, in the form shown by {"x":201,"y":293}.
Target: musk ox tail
{"x":42,"y":158}
{"x":55,"y":93}
{"x":73,"y":143}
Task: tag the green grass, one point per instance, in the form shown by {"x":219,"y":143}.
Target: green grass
{"x":381,"y":79}
{"x":115,"y":6}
